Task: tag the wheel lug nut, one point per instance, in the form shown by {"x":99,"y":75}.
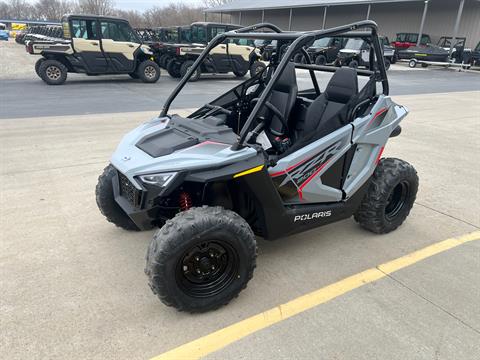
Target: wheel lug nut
{"x":197,"y":258}
{"x":213,"y":267}
{"x":198,"y":271}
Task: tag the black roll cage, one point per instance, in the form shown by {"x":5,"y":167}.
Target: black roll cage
{"x":299,"y":40}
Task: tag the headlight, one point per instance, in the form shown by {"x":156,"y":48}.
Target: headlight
{"x":160,"y":180}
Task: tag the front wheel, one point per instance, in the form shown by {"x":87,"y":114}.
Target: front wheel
{"x":148,"y":71}
{"x":389,"y":198}
{"x":106,"y":201}
{"x":201,"y":259}
{"x":321,"y":60}
{"x":353,"y":64}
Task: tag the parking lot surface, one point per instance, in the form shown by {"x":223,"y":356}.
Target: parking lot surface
{"x":25,"y":95}
{"x":73,"y":284}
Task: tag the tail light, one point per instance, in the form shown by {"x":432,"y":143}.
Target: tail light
{"x":177,"y":51}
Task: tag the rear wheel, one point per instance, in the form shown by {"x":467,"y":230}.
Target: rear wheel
{"x":256,"y":68}
{"x":148,"y":71}
{"x":53,"y":72}
{"x":37,"y":66}
{"x":201,"y":259}
{"x":186,"y":67}
{"x":298,"y":58}
{"x":173,"y":69}
{"x":240,"y":73}
{"x":389,"y":198}
{"x":106,"y":201}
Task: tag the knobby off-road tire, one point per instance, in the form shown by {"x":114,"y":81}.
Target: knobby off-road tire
{"x":201,"y":259}
{"x":321,"y":60}
{"x":389,"y":198}
{"x":107,"y":204}
{"x":186,"y":66}
{"x":53,"y":72}
{"x":173,"y":69}
{"x":37,"y":66}
{"x":256,"y":68}
{"x":148,"y":71}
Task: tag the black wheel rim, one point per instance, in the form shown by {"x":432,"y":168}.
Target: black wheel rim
{"x":207,"y":268}
{"x":397,"y":200}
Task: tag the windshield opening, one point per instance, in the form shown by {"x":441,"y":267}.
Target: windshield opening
{"x":321,"y":42}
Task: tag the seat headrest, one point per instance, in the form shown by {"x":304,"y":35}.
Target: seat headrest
{"x":287,"y":80}
{"x":343,"y":85}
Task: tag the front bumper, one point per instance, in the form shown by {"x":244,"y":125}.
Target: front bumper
{"x":139,"y":205}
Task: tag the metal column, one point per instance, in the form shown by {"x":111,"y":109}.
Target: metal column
{"x":324,"y":17}
{"x":457,"y":26}
{"x":205,"y":16}
{"x":368,"y":11}
{"x":221,"y":17}
{"x":240,"y":18}
{"x":290,"y":20}
{"x":263,"y":16}
{"x":424,"y":16}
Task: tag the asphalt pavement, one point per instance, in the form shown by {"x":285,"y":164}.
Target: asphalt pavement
{"x":72,"y":285}
{"x":81,"y":94}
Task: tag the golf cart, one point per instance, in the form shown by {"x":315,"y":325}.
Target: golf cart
{"x":264,"y":159}
{"x":238,"y":56}
{"x":94,"y":45}
{"x":356,"y":53}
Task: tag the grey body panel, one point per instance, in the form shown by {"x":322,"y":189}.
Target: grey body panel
{"x":369,"y":133}
{"x":132,"y":161}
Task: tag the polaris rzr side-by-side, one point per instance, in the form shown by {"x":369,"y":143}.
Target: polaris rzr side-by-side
{"x":264,"y":159}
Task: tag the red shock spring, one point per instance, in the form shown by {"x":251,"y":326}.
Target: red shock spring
{"x":185,"y":201}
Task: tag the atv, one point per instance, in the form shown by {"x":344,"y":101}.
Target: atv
{"x":263,"y":159}
{"x":94,"y":45}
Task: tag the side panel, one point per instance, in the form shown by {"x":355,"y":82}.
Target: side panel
{"x":120,"y":54}
{"x":371,"y":133}
{"x":89,"y":53}
{"x":298,"y":175}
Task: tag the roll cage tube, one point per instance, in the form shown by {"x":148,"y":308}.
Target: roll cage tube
{"x":294,"y":47}
{"x":217,"y":40}
{"x":299,"y":39}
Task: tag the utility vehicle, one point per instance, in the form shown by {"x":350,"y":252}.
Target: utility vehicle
{"x":323,"y":51}
{"x":406,"y":40}
{"x":3,"y":32}
{"x":238,"y":56}
{"x":94,"y":45}
{"x":263,"y":159}
{"x":356,"y":53}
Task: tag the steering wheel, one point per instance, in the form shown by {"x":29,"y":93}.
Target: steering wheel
{"x":275,"y":111}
